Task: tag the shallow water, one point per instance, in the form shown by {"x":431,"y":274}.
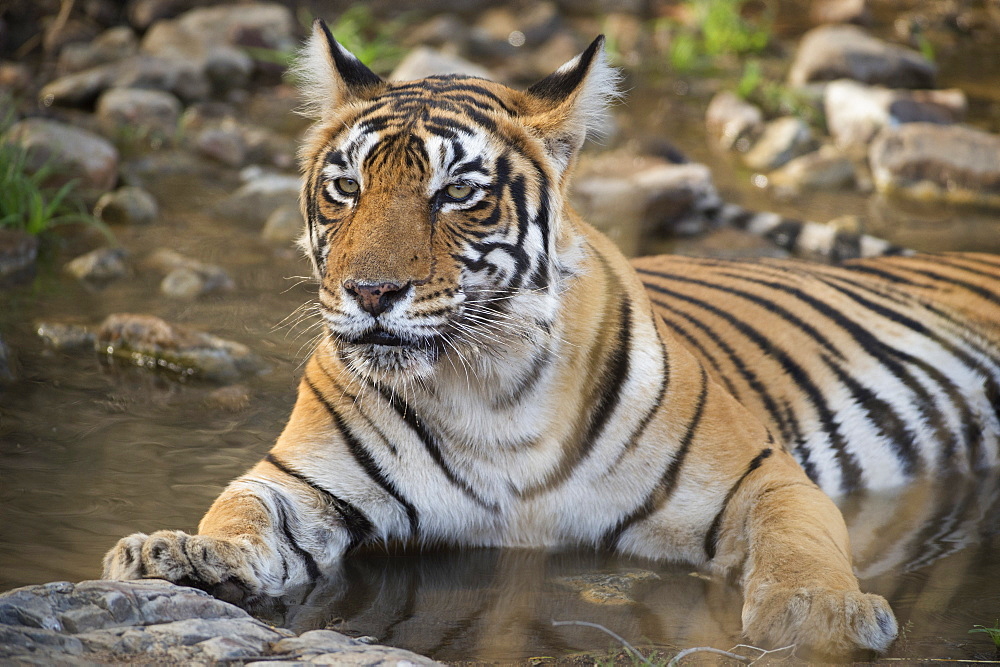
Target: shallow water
{"x":91,"y":451}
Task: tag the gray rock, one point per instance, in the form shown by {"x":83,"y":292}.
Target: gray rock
{"x":284,"y":225}
{"x":424,"y":61}
{"x":61,"y":336}
{"x":149,"y":342}
{"x":625,"y":195}
{"x":110,"y":46}
{"x":188,"y":278}
{"x":733,"y":122}
{"x":79,"y":154}
{"x":18,"y":253}
{"x":128,"y":205}
{"x":143,"y":13}
{"x":222,"y":144}
{"x":848,"y":52}
{"x":99,"y":266}
{"x":825,"y":169}
{"x":855,"y":112}
{"x":840,"y":11}
{"x":781,"y":140}
{"x":155,"y":622}
{"x":177,"y":76}
{"x":210,"y":39}
{"x":254,"y":202}
{"x":135,"y":114}
{"x":944,"y":162}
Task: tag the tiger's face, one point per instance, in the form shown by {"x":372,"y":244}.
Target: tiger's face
{"x":432,"y":213}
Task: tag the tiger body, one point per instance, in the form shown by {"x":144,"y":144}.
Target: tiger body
{"x":496,"y":374}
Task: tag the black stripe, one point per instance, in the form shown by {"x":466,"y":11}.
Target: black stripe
{"x":358,"y":526}
{"x":284,"y":511}
{"x":661,"y":493}
{"x":712,"y":536}
{"x":430,"y":444}
{"x":365,"y":459}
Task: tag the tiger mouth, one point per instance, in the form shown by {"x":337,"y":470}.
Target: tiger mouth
{"x":381,"y":337}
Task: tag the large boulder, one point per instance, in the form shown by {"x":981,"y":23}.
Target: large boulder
{"x":177,"y":76}
{"x":847,"y":52}
{"x":76,"y":153}
{"x":156,"y":622}
{"x":946,"y":162}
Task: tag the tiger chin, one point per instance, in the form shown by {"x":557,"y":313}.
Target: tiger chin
{"x":496,"y":373}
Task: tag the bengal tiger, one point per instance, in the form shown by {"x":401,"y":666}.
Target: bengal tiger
{"x":496,"y":373}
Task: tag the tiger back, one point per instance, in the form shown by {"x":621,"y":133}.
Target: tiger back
{"x":494,"y":372}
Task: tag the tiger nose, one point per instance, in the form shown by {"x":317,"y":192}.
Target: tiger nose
{"x":375,"y":298}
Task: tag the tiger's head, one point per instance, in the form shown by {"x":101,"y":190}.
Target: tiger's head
{"x":434,"y":208}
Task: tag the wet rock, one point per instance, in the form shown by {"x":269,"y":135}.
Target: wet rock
{"x":825,"y":169}
{"x":948,"y":162}
{"x":128,"y":205}
{"x":733,"y":122}
{"x":149,"y":342}
{"x":135,"y":114}
{"x":18,"y":253}
{"x":232,"y":398}
{"x":188,"y":278}
{"x":840,"y":11}
{"x":78,"y":153}
{"x":156,"y":622}
{"x":855,"y":112}
{"x":63,"y":336}
{"x":110,"y":46}
{"x":424,"y":61}
{"x":284,"y":225}
{"x":254,"y":202}
{"x":608,"y":589}
{"x":781,"y":140}
{"x":172,"y":75}
{"x":625,"y":195}
{"x":99,"y":266}
{"x":332,"y":648}
{"x":848,"y":52}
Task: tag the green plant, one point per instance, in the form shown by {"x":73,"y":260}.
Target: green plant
{"x":374,"y":41}
{"x":26,"y":203}
{"x":993,"y":632}
{"x":719,"y":28}
{"x":775,"y":98}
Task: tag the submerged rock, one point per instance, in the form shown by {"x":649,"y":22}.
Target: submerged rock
{"x":825,"y":169}
{"x":150,"y":342}
{"x":188,"y":278}
{"x":63,"y":336}
{"x":18,"y":253}
{"x":99,"y":266}
{"x":947,"y":162}
{"x":848,"y":52}
{"x":156,"y":622}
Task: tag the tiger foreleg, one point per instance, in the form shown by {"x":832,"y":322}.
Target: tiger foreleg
{"x":255,"y":540}
{"x":798,"y":584}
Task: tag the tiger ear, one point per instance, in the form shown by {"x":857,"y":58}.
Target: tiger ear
{"x":572,"y":102}
{"x":329,"y":75}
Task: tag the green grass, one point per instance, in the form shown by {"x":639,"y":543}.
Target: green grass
{"x":719,"y":28}
{"x":27,"y":203}
{"x":373,"y":40}
{"x":994,"y":632}
{"x":774,"y":98}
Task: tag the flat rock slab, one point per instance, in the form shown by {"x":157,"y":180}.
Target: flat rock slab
{"x":938,"y":162}
{"x":156,"y":622}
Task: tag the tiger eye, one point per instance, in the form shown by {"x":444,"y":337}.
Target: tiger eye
{"x":347,"y":186}
{"x":458,"y":192}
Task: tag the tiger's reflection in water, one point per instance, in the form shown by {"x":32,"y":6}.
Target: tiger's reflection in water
{"x":928,"y":548}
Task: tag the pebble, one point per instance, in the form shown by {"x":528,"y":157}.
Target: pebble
{"x":99,"y":266}
{"x":188,"y":278}
{"x":781,"y":140}
{"x":63,"y":336}
{"x":18,"y":254}
{"x":256,"y":199}
{"x":733,"y":122}
{"x":825,"y":169}
{"x":131,"y":114}
{"x":128,"y":205}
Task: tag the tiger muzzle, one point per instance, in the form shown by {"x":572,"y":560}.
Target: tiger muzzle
{"x":376,"y":298}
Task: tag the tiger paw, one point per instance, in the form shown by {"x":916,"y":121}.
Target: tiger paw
{"x":835,"y":622}
{"x":217,"y":566}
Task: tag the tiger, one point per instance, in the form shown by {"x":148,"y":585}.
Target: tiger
{"x":495,"y":373}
